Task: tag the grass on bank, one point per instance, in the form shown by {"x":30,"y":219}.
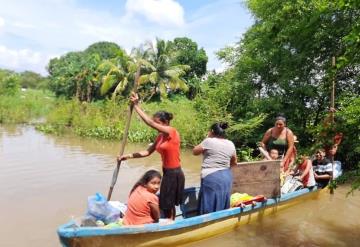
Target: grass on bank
{"x":106,"y":119}
{"x":25,"y":106}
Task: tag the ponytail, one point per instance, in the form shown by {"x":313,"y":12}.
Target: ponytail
{"x":218,"y":129}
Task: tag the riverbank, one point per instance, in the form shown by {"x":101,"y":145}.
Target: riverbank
{"x":106,"y":120}
{"x":103,"y":119}
{"x":26,"y":106}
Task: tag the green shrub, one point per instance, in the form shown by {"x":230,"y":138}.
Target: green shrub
{"x":25,"y":107}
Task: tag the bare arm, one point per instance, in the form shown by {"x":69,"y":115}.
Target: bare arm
{"x":154,"y":211}
{"x":323,"y":176}
{"x":148,"y":120}
{"x":233,"y":160}
{"x":139,"y":154}
{"x":265,"y":139}
{"x":198,"y":150}
{"x":290,"y":140}
{"x":307,"y":169}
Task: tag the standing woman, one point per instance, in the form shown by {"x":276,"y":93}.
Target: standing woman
{"x":167,"y":143}
{"x":219,"y":154}
{"x":281,"y":138}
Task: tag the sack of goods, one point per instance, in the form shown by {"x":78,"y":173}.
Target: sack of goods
{"x":100,"y":209}
{"x":291,"y":184}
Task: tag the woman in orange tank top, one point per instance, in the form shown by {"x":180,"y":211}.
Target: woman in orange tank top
{"x":167,"y":143}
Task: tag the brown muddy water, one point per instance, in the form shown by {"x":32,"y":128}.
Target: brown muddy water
{"x":45,"y":181}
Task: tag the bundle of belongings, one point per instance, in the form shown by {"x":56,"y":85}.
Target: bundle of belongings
{"x":291,"y":184}
{"x":328,"y":167}
{"x":103,"y":213}
{"x":243,"y":199}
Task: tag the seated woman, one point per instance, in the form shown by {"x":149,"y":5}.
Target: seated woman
{"x":143,"y":203}
{"x":322,"y":168}
{"x":216,"y":177}
{"x":305,"y":172}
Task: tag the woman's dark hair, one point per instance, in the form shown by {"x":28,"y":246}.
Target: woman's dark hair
{"x":281,"y":117}
{"x":163,"y":116}
{"x":147,"y":177}
{"x":218,"y":129}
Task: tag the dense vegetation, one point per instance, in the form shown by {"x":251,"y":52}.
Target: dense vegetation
{"x":283,"y":63}
{"x":28,"y":104}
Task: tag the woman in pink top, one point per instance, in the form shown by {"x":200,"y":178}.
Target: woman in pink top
{"x":143,"y":203}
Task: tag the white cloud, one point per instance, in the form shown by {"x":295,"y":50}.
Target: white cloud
{"x":24,"y":58}
{"x":2,"y":22}
{"x":38,"y":29}
{"x":163,"y":12}
{"x":23,"y":25}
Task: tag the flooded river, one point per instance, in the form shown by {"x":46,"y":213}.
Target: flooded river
{"x":45,"y":181}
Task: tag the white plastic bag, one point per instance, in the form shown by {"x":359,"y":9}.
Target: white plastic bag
{"x":291,"y":184}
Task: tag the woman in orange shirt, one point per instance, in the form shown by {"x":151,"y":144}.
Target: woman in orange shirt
{"x":143,"y":203}
{"x":167,"y":143}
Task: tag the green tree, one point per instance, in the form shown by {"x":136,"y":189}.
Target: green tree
{"x":63,"y":72}
{"x":283,"y":62}
{"x":30,"y":79}
{"x":160,"y":75}
{"x":185,"y":51}
{"x":79,"y":74}
{"x":87,"y":79}
{"x":9,"y":85}
{"x":106,"y":50}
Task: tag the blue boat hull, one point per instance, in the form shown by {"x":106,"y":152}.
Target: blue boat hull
{"x":183,"y":230}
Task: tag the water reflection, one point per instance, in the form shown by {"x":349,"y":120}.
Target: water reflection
{"x":331,"y":220}
{"x":45,"y":181}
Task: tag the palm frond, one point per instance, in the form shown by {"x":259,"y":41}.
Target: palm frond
{"x":144,"y":79}
{"x":146,"y":64}
{"x":154,"y":77}
{"x":120,"y":87}
{"x":107,"y":83}
{"x":163,"y":90}
{"x":177,"y":83}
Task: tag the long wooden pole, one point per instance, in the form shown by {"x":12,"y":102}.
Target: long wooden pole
{"x":332,"y":105}
{"x":124,"y":140}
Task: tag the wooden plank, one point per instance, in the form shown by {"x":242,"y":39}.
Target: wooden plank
{"x":257,"y":178}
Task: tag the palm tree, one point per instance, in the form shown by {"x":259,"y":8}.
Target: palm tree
{"x":160,"y":74}
{"x":116,"y":73}
{"x":158,"y":77}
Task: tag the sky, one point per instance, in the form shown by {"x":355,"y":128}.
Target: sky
{"x":33,"y":32}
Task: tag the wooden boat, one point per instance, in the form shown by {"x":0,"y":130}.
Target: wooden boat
{"x":189,"y":227}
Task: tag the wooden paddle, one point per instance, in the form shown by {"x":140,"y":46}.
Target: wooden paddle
{"x":123,"y":143}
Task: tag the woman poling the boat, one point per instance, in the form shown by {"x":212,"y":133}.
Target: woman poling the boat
{"x":167,"y":143}
{"x":219,"y":154}
{"x":281,"y":138}
{"x":143,"y":203}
